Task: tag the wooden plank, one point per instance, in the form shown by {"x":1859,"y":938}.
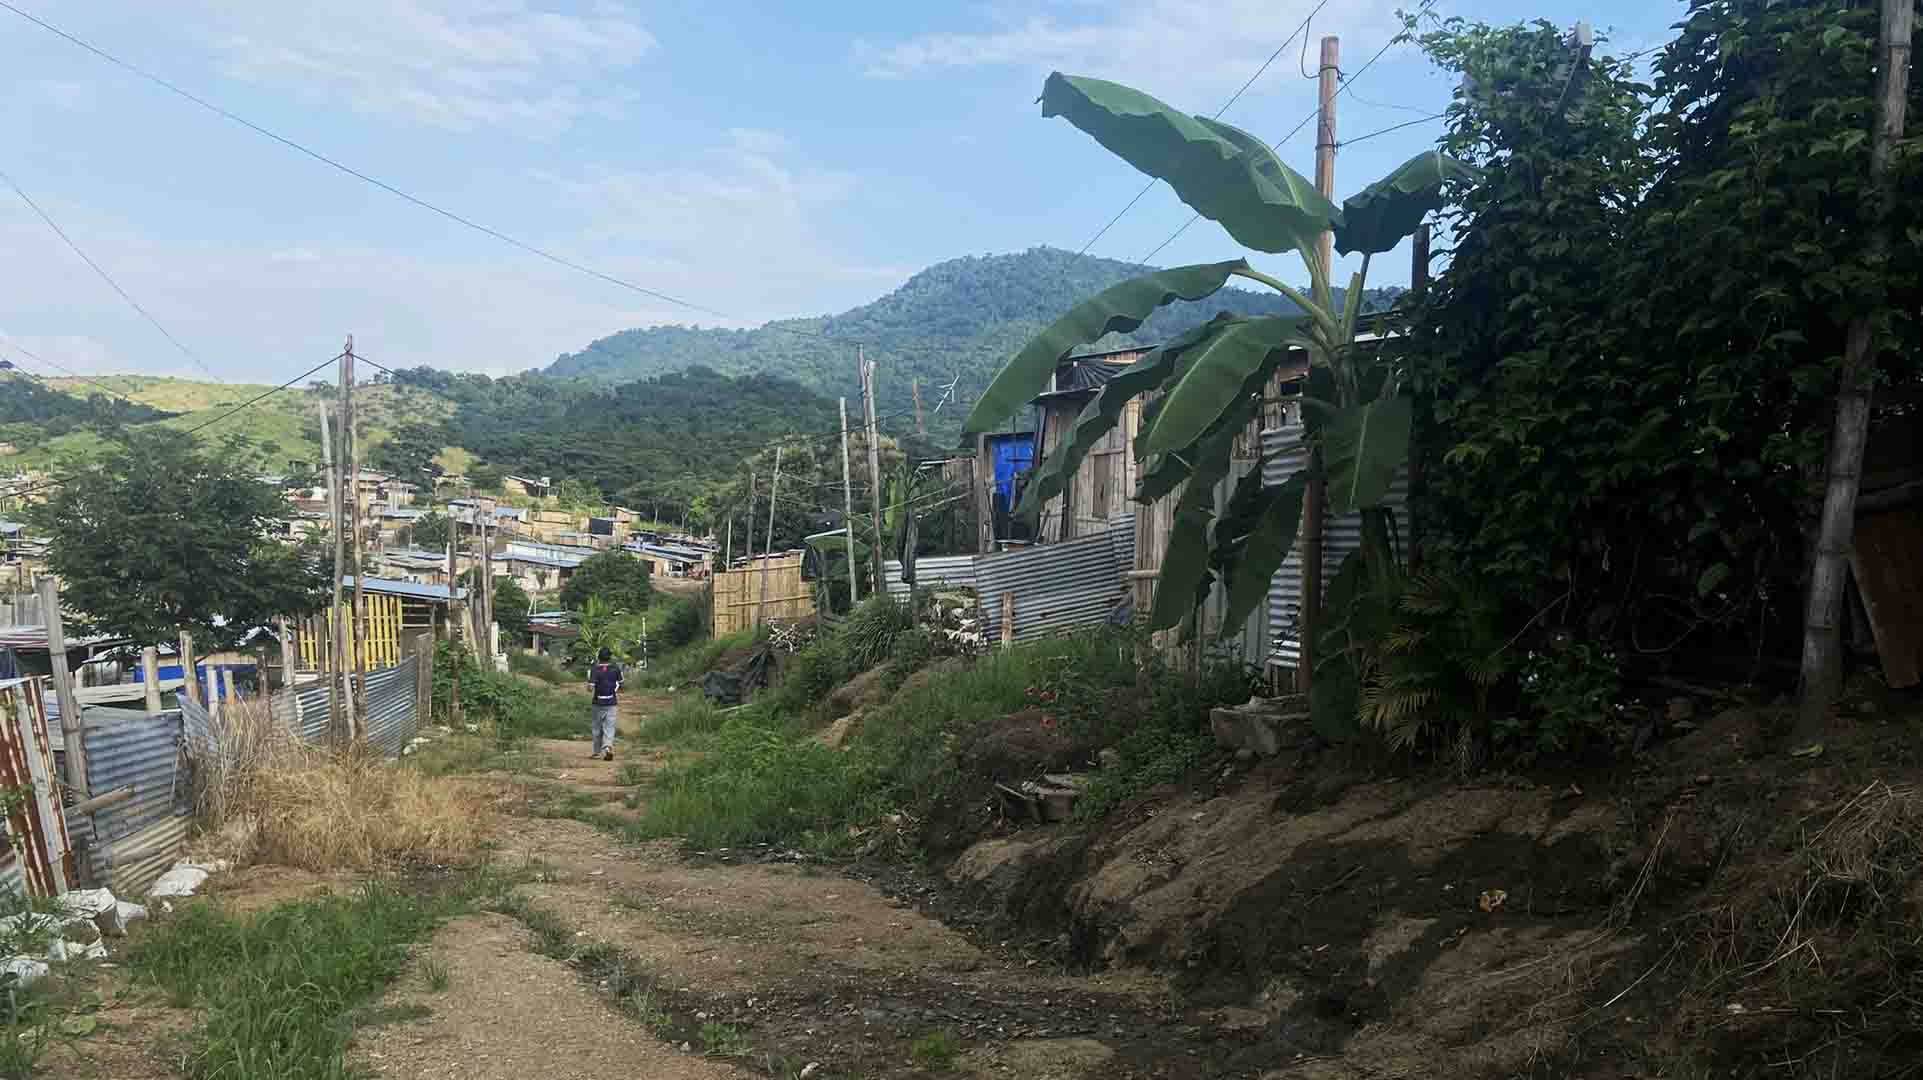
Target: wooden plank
{"x":70,"y":717}
{"x":1890,"y":581}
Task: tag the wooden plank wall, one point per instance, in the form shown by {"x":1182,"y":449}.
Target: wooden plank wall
{"x":737,"y":594}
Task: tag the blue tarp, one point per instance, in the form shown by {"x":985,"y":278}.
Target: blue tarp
{"x":1013,"y":454}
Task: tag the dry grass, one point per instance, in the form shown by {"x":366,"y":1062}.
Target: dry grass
{"x":266,"y":796}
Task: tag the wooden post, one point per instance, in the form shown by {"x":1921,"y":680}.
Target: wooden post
{"x":150,"y":676}
{"x":874,"y":461}
{"x":1418,"y":290}
{"x":286,"y":651}
{"x":984,"y":496}
{"x":1822,"y":667}
{"x":215,"y":693}
{"x":1008,"y":619}
{"x":351,"y":432}
{"x":768,"y":540}
{"x":914,"y":387}
{"x":751,"y":530}
{"x":331,"y":655}
{"x":192,"y":685}
{"x":71,"y":726}
{"x":423,"y":679}
{"x":1316,"y":497}
{"x":848,"y":511}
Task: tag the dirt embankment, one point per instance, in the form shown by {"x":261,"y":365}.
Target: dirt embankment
{"x":1354,"y":926}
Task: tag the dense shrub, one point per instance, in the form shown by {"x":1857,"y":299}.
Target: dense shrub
{"x":617,"y":578}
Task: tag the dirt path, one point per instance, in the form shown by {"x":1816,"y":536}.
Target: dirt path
{"x":752,"y":962}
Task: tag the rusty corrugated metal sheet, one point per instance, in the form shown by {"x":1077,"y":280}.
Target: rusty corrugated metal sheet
{"x":1889,"y":578}
{"x":1284,"y":457}
{"x":1057,"y":586}
{"x":936,"y":571}
{"x":136,"y":861}
{"x":45,"y":862}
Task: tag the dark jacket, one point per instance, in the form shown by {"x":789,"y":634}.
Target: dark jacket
{"x":605,"y":679}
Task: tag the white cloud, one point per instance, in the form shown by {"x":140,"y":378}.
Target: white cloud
{"x":453,"y":64}
{"x":1176,"y":48}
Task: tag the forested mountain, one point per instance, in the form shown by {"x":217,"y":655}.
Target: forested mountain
{"x":31,"y":413}
{"x":672,"y":436}
{"x":962,"y":317}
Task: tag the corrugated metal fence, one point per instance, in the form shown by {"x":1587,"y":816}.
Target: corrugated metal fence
{"x":135,"y":841}
{"x":1056,"y":586}
{"x":932,"y":572}
{"x":1284,"y":456}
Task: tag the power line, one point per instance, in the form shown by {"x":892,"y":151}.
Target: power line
{"x":1237,"y":96}
{"x":249,"y":403}
{"x":1344,"y":88}
{"x":104,"y":276}
{"x":356,"y":173}
{"x":1393,"y":127}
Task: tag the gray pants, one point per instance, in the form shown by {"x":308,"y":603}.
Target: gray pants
{"x":603,"y":729}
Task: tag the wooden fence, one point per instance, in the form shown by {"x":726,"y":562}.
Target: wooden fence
{"x":738,"y":594}
{"x":381,"y":642}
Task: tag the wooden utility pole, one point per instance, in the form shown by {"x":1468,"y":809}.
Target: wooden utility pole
{"x":984,"y":496}
{"x":874,"y":461}
{"x":914,"y":387}
{"x":331,"y":660}
{"x":351,"y":432}
{"x":71,"y":727}
{"x":1822,"y":669}
{"x":848,"y":511}
{"x":768,"y":539}
{"x":453,"y":628}
{"x":1418,"y":290}
{"x":287,"y":652}
{"x":727,"y":560}
{"x":1316,"y":498}
{"x":751,"y":519}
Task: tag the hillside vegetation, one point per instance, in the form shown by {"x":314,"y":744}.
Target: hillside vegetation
{"x":961,"y":317}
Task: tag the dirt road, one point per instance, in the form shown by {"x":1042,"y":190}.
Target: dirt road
{"x":638,"y":960}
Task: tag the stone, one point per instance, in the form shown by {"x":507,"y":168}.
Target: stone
{"x":183,"y":880}
{"x":113,"y":921}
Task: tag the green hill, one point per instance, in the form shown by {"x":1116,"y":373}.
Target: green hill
{"x":961,"y":317}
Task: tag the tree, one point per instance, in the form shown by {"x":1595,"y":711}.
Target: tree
{"x":1211,"y":379}
{"x":160,"y":535}
{"x":616,"y":578}
{"x":432,"y":531}
{"x":511,"y":609}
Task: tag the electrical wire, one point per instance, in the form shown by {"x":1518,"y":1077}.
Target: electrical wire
{"x":106,"y":277}
{"x":1237,"y":96}
{"x":356,"y":173}
{"x":249,"y":403}
{"x":1346,"y":83}
{"x":1393,"y":127}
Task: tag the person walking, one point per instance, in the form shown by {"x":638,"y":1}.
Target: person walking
{"x":604,"y":679}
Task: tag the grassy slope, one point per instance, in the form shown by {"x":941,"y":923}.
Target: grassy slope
{"x":278,"y":423}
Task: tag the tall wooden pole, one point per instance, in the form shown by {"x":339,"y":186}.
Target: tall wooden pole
{"x":150,"y":677}
{"x":1418,"y":290}
{"x":71,"y":727}
{"x":331,"y":659}
{"x":751,"y":520}
{"x":848,"y":511}
{"x":914,"y":387}
{"x":768,"y":539}
{"x":1822,"y":668}
{"x":192,"y":688}
{"x":351,"y":432}
{"x":874,"y":462}
{"x":1315,"y":504}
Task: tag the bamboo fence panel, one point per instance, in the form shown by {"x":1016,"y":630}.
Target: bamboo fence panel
{"x":738,"y":594}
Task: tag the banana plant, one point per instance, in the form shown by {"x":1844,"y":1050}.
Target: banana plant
{"x":1208,"y":383}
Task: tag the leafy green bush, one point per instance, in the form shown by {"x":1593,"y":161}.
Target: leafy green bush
{"x":683,"y":666}
{"x":617,"y":578}
{"x":809,"y":675}
{"x":510,"y":706}
{"x":675,"y":621}
{"x":912,"y":651}
{"x":545,"y":668}
{"x":870,"y":632}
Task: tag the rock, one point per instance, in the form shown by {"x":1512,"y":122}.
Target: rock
{"x":183,"y":880}
{"x":25,"y":970}
{"x":810,"y":1069}
{"x":113,"y":921}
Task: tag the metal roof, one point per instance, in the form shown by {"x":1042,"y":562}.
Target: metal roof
{"x":417,"y":590}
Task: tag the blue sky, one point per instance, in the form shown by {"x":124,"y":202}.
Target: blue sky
{"x":764,"y":160}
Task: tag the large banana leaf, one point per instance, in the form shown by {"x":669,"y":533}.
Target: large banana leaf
{"x":1378,"y":217}
{"x":1224,"y":173}
{"x":1217,"y":375}
{"x":1362,"y":447}
{"x":1210,"y":451}
{"x":1185,"y":560}
{"x":1104,"y":410}
{"x":1264,"y":548}
{"x":1116,"y":309}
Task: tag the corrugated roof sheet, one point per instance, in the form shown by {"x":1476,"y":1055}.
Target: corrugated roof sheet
{"x":417,"y":590}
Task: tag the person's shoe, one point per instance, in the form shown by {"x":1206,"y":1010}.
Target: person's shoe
{"x":609,"y":756}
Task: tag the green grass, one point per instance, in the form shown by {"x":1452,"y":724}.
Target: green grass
{"x":935,"y":1050}
{"x":691,"y":719}
{"x":686,"y":665}
{"x":545,"y":668}
{"x":279,"y":989}
{"x":435,"y":974}
{"x":722,"y":1040}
